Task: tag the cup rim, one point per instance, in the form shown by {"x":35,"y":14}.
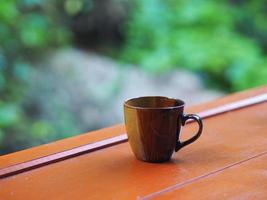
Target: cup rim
{"x":153,"y":108}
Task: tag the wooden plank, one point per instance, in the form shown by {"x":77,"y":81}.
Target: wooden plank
{"x":174,"y":191}
{"x":60,"y":145}
{"x":234,"y":106}
{"x":22,"y":167}
{"x":114,"y":173}
{"x":94,"y":136}
{"x":227,"y":99}
{"x":245,"y":181}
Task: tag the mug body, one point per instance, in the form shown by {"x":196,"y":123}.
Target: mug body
{"x":153,"y":126}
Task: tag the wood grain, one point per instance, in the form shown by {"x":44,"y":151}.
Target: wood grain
{"x":60,"y":145}
{"x":245,"y":181}
{"x":22,"y":167}
{"x":171,"y":192}
{"x":105,"y":133}
{"x":32,"y":164}
{"x":114,"y":173}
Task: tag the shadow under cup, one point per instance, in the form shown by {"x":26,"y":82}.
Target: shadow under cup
{"x":153,"y":127}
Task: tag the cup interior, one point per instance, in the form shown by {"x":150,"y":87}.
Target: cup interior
{"x":154,"y":102}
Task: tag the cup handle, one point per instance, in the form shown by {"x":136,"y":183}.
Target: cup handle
{"x":185,"y":117}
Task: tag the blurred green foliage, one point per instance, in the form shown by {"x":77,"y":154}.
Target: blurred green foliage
{"x":26,"y":32}
{"x":225,"y":41}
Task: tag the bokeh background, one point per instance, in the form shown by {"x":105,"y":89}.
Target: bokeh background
{"x":67,"y":65}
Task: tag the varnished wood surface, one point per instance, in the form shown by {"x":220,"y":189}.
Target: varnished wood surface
{"x":87,"y":148}
{"x":227,"y":99}
{"x":57,"y":157}
{"x":97,"y":145}
{"x":237,"y":137}
{"x":94,"y":136}
{"x":61,"y":145}
{"x":245,"y":181}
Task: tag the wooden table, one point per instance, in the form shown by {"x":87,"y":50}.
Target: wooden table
{"x":229,"y":161}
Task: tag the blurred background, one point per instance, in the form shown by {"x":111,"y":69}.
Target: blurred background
{"x":67,"y":65}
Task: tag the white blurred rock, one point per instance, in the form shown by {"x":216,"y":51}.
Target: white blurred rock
{"x":89,"y":89}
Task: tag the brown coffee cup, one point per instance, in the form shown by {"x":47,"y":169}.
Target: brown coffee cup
{"x":153,"y":125}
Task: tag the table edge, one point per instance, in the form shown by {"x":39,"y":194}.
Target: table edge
{"x":63,"y":155}
{"x":106,"y":133}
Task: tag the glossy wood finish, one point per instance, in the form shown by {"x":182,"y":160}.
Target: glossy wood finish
{"x":55,"y":157}
{"x":94,"y":136}
{"x":67,"y":154}
{"x":245,"y":181}
{"x":60,"y":146}
{"x":227,"y":99}
{"x":232,"y":140}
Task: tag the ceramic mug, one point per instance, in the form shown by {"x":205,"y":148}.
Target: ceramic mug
{"x":153,"y":125}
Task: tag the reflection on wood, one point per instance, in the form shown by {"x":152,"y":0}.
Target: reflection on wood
{"x":25,"y":166}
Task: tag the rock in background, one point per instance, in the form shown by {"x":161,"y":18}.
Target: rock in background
{"x":78,"y":91}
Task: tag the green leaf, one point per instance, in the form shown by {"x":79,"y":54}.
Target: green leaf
{"x":33,"y":31}
{"x":41,"y":130}
{"x":8,"y":11}
{"x":218,"y":38}
{"x":73,"y":7}
{"x":9,"y":114}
